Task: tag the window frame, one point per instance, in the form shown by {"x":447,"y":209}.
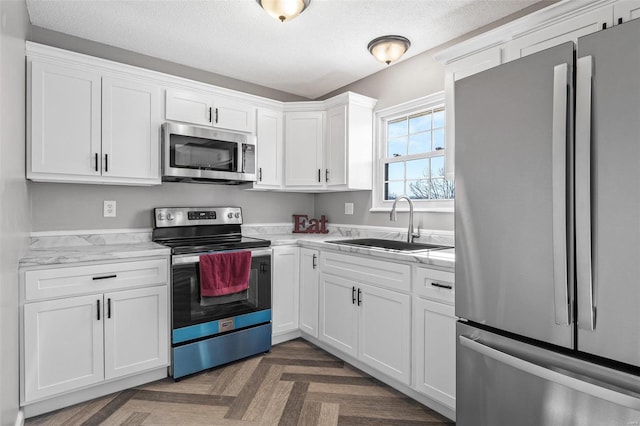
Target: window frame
{"x":381,"y":119}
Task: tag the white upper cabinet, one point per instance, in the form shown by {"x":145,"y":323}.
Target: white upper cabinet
{"x":330,"y":148}
{"x":64,"y":123}
{"x":270,"y":147}
{"x":565,"y":30}
{"x":130,"y":129}
{"x":87,"y":127}
{"x":206,"y":109}
{"x":304,"y":148}
{"x":626,"y":10}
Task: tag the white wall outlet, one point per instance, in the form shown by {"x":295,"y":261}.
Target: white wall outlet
{"x":109,"y":209}
{"x":348,"y":208}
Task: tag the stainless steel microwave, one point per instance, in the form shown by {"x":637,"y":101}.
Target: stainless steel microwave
{"x":200,"y":154}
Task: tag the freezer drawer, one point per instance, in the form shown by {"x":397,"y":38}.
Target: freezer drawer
{"x":501,"y":381}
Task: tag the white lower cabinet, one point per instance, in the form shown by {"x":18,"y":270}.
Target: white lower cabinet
{"x":370,"y":323}
{"x":94,"y":333}
{"x":285,"y":289}
{"x":309,"y":275}
{"x":435,"y":350}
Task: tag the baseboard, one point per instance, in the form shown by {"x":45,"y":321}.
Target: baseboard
{"x":75,"y":397}
{"x":285,"y":337}
{"x":20,"y":418}
{"x":411,"y":393}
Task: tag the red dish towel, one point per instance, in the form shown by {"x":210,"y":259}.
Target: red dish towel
{"x":224,"y":273}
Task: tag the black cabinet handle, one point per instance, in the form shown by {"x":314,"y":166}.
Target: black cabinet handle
{"x":96,"y":161}
{"x":104,"y":277}
{"x":98,"y":308}
{"x":353,"y":295}
{"x":313,"y":262}
{"x":326,"y":175}
{"x":209,"y":114}
{"x":359,"y":298}
{"x":109,"y":308}
{"x":442,"y":286}
{"x":319,"y":171}
{"x":216,"y":115}
{"x":106,"y":162}
{"x":260,"y":174}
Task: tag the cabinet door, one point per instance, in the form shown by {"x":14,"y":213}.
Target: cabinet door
{"x":270,"y":148}
{"x":435,"y":351}
{"x":130,"y":130}
{"x":189,"y":107}
{"x":309,"y":291}
{"x":626,"y":10}
{"x":233,"y":115}
{"x":65,"y":121}
{"x":336,"y":147}
{"x":563,"y":31}
{"x":136,"y":331}
{"x":63,"y":345}
{"x":338,"y":313}
{"x":304,"y":148}
{"x":385,"y":331}
{"x":285,"y":291}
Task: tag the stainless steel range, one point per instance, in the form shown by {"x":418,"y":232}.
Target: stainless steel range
{"x":208,"y":331}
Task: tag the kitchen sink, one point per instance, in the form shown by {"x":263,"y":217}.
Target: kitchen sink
{"x":390,"y":244}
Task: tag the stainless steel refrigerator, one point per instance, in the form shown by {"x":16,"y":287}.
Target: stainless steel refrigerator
{"x":547,"y":222}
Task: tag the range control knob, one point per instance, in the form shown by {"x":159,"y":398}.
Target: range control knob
{"x":170,"y":216}
{"x":230,"y":215}
{"x":160,"y":216}
{"x":237,"y":214}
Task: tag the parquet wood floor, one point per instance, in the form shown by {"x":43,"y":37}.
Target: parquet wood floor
{"x":295,"y":384}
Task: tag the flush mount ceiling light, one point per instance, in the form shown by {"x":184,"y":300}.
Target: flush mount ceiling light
{"x":284,"y":10}
{"x":388,"y":48}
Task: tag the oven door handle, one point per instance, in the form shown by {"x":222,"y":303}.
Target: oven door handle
{"x":189,"y":258}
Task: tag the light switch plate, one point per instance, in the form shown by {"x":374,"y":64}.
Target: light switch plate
{"x":109,"y":209}
{"x":348,"y":208}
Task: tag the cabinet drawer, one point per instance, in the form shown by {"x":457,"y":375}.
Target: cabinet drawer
{"x":66,"y":281}
{"x":434,"y":284}
{"x":395,"y":276}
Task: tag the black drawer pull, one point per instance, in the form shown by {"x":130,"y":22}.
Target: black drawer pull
{"x":442,"y":286}
{"x":104,"y":277}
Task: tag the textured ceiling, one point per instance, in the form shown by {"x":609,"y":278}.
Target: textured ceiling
{"x":320,"y":51}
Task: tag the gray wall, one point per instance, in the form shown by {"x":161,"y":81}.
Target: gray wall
{"x":57,"y":206}
{"x":14,"y":195}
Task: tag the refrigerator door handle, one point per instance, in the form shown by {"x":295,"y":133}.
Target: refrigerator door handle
{"x":559,"y":200}
{"x":601,"y":390}
{"x":586,"y":308}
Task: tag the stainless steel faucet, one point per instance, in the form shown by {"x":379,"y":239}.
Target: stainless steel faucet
{"x":394,"y":216}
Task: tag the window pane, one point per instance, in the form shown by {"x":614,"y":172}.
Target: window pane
{"x":438,"y":139}
{"x":418,"y":169}
{"x":395,"y":171}
{"x":397,"y":147}
{"x":420,"y":123}
{"x":420,"y":143}
{"x":441,"y":189}
{"x":397,"y":128}
{"x":418,"y":189}
{"x":438,"y":119}
{"x":437,"y":166}
{"x":393,"y":190}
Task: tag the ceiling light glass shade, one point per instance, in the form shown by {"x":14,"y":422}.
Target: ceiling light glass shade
{"x":388,"y":48}
{"x":284,"y":10}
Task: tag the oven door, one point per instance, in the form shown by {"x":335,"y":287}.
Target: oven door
{"x":189,"y":308}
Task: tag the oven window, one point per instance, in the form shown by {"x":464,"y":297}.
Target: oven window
{"x":190,"y":308}
{"x":198,"y":153}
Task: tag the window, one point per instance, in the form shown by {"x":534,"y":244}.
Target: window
{"x":411,"y":156}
